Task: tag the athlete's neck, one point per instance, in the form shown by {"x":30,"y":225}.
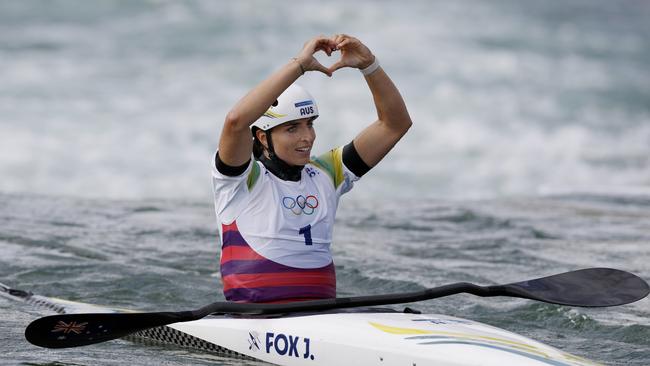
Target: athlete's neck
{"x":281,"y":169}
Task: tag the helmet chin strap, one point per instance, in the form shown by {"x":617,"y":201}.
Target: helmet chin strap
{"x":277,"y":166}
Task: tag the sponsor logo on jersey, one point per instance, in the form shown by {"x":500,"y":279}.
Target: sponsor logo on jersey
{"x":311,"y":172}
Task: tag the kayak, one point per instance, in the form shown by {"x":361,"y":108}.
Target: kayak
{"x":374,"y":338}
{"x":359,"y":336}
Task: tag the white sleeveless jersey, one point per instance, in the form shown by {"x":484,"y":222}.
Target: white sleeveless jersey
{"x":272,"y":226}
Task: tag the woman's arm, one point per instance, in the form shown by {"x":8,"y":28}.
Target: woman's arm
{"x":393,"y":120}
{"x":236,"y":144}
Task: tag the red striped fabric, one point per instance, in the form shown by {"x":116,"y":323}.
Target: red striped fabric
{"x":278,"y":279}
{"x":239,"y":254}
{"x":249,"y":277}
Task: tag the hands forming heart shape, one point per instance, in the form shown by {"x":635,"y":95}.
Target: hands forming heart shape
{"x":353,"y":53}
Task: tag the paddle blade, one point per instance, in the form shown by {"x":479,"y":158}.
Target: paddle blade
{"x":592,"y":287}
{"x":73,"y":330}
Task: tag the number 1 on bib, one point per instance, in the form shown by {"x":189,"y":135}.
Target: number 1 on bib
{"x":306,"y":232}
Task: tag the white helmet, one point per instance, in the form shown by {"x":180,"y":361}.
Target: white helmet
{"x":294,"y":103}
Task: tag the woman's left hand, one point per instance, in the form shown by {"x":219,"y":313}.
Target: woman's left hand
{"x":353,"y":53}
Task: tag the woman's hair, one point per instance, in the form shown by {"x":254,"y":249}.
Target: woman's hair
{"x":258,"y":148}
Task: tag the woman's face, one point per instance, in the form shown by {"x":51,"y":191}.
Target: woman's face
{"x":292,"y":141}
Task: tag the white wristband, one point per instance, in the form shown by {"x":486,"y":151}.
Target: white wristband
{"x":370,"y":69}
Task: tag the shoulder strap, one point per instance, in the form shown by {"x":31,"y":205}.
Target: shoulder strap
{"x":332,"y":163}
{"x":253,"y":175}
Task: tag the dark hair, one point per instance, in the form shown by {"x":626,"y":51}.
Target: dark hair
{"x":258,"y":148}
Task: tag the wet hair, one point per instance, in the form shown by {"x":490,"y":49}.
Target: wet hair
{"x":258,"y":148}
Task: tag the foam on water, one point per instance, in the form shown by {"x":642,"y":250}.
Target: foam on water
{"x":163,"y":255}
{"x":126,"y":100}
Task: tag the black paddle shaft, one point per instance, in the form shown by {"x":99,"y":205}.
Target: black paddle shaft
{"x":593,"y":287}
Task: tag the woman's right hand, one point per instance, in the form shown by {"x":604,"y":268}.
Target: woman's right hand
{"x":306,"y":56}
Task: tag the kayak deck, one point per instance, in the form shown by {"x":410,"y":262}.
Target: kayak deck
{"x":171,"y":336}
{"x":159,"y":335}
{"x":375,"y":338}
{"x":363,"y":337}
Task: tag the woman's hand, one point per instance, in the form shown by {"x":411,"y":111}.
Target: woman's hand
{"x":306,"y":57}
{"x":353,"y":53}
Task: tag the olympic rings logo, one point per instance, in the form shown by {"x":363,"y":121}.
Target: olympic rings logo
{"x":301,"y":204}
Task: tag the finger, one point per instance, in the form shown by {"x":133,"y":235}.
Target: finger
{"x":317,"y":66}
{"x":326,"y":49}
{"x":337,"y":65}
{"x":310,"y":46}
{"x":318,"y":41}
{"x":344,"y":43}
{"x":334,"y":39}
{"x":326,"y":45}
{"x":343,"y":35}
{"x":337,"y":39}
{"x":325,"y":71}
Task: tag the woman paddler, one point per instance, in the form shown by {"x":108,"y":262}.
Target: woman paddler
{"x":276,"y":210}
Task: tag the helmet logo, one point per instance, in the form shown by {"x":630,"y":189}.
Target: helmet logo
{"x":306,"y":111}
{"x":302,"y":104}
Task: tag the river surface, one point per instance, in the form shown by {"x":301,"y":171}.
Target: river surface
{"x":163,"y":255}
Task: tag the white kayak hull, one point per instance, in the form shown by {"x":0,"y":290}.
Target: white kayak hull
{"x":361,"y":337}
{"x":386,"y":339}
